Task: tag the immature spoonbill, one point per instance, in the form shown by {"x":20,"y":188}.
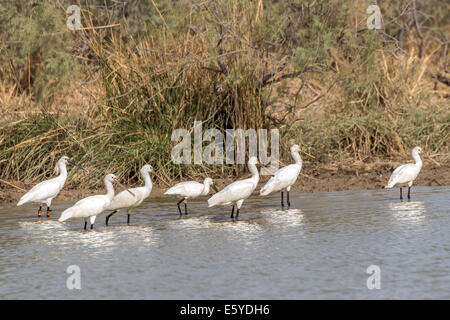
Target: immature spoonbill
{"x":237,"y":192}
{"x":189,"y":190}
{"x":407,"y":173}
{"x":285,"y":177}
{"x":124,"y":200}
{"x":92,"y":206}
{"x":44,"y":192}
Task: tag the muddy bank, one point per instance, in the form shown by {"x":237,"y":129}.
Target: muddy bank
{"x":324,"y":178}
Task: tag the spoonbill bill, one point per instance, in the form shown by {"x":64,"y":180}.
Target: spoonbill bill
{"x":44,"y":192}
{"x":285,"y":177}
{"x":124,"y":200}
{"x":90,"y":207}
{"x":235,"y":193}
{"x":407,"y":173}
{"x":189,"y":190}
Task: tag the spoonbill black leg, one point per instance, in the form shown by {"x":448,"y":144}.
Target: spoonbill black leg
{"x":401,"y":196}
{"x":40,"y":211}
{"x":92,"y":220}
{"x":185,"y":207}
{"x":178,"y":204}
{"x":232,"y":213}
{"x":237,"y":213}
{"x":48,"y":212}
{"x":128,"y":219}
{"x":288,"y":202}
{"x":282,"y":202}
{"x":85,"y":225}
{"x":409,"y":190}
{"x":109,"y":216}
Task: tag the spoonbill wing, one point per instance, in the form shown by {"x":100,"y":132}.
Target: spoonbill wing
{"x":90,"y":206}
{"x":42,"y":191}
{"x":125,"y":200}
{"x":283,"y":178}
{"x":269,"y":187}
{"x":402,"y":174}
{"x":186,"y":189}
{"x":236,"y":191}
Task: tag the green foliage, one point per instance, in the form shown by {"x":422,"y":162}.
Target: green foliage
{"x":171,"y":63}
{"x":35,"y":48}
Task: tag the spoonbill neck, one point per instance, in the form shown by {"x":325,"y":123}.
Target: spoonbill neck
{"x":62,"y":172}
{"x":297,"y":158}
{"x":109,"y":189}
{"x":417,"y":159}
{"x":205,"y":188}
{"x":147,"y":179}
{"x":254,"y":171}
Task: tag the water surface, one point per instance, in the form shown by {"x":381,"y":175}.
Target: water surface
{"x":320,"y":248}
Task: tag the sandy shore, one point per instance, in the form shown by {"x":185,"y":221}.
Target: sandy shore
{"x":325,"y":178}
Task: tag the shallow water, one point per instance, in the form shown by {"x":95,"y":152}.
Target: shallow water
{"x":318,"y":249}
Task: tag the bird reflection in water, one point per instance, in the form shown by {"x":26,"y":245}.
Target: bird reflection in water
{"x":412,"y":212}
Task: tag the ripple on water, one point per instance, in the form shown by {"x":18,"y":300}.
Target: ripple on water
{"x":190,"y":223}
{"x":319,"y":248}
{"x":289,"y":218}
{"x":99,"y":240}
{"x":408,"y":212}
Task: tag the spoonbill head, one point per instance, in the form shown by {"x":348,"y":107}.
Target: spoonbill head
{"x":146,"y":169}
{"x":189,"y":190}
{"x":235,"y":193}
{"x":407,"y":173}
{"x":44,"y":192}
{"x":295,"y":148}
{"x":208,"y":181}
{"x":125,"y":200}
{"x":416,"y":151}
{"x":252,"y":161}
{"x":90,"y":207}
{"x":285,"y":177}
{"x":66,"y":159}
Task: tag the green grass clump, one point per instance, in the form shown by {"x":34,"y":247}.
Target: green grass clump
{"x":111,"y":97}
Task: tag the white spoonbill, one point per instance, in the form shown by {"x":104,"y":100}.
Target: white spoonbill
{"x":285,"y":177}
{"x":44,"y":192}
{"x":237,"y":192}
{"x":92,"y":206}
{"x":124,"y":200}
{"x":407,"y":173}
{"x":189,"y":190}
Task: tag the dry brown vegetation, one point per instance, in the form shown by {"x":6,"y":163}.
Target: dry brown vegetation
{"x":111,"y":94}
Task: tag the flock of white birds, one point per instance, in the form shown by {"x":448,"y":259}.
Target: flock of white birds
{"x":232,"y":195}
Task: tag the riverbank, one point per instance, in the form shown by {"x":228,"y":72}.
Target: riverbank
{"x":330,"y":177}
{"x":343,"y":93}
